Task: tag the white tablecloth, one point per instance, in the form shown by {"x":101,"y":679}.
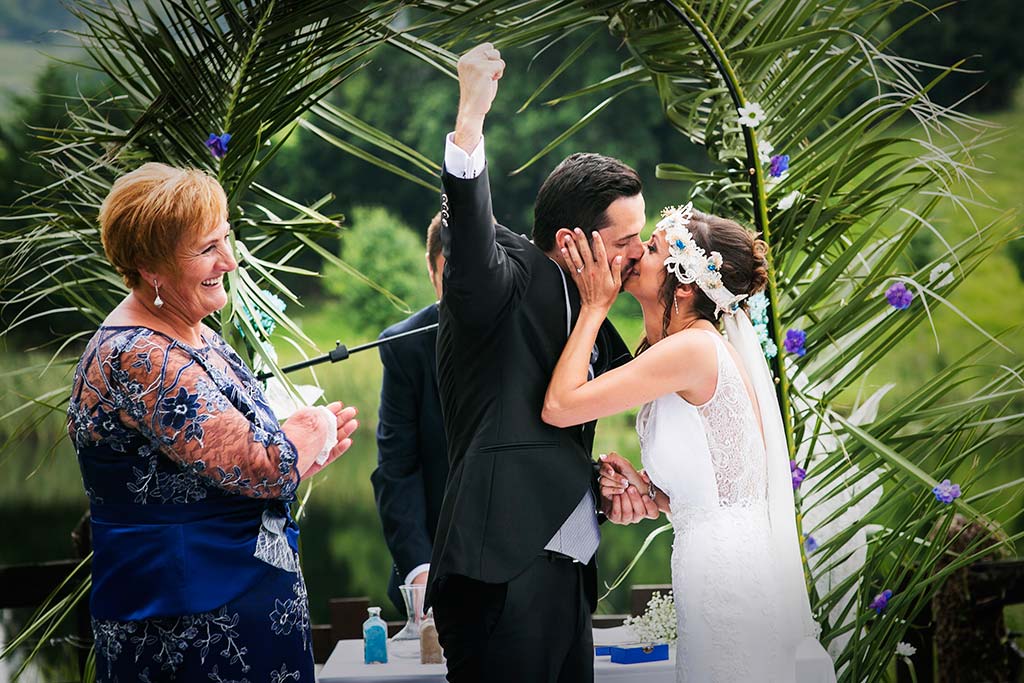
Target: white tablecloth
{"x":345,"y":665}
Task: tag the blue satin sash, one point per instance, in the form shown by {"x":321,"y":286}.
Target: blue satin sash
{"x":167,"y":560}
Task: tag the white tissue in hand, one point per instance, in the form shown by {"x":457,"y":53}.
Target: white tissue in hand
{"x":330,"y":420}
{"x":283,"y":403}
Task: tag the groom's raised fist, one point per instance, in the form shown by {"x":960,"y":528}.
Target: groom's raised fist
{"x":479,"y":71}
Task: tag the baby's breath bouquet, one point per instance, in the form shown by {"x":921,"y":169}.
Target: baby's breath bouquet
{"x":658,"y":622}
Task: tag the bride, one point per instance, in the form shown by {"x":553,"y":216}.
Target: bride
{"x":712,"y":443}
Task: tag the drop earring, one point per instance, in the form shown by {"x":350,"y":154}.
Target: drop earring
{"x":158,"y":302}
{"x":675,"y":303}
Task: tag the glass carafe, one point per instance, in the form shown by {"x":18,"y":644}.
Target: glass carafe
{"x":406,"y":643}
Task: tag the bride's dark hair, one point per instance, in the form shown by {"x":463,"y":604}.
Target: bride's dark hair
{"x":744,"y":266}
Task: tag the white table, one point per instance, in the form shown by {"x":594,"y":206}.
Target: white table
{"x":345,"y":665}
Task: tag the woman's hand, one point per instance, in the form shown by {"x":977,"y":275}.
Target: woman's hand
{"x":617,"y":474}
{"x":624,"y":491}
{"x":307,"y":429}
{"x":598,"y":281}
{"x":345,"y":425}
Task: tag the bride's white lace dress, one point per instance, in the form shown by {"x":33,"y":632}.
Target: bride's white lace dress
{"x":710,"y":459}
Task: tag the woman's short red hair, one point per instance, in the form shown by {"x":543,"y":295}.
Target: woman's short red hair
{"x":150,"y":211}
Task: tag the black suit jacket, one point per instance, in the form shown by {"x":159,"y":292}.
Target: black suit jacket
{"x":412,"y":453}
{"x":513,"y":479}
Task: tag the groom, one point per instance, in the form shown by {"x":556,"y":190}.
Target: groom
{"x":513,"y":574}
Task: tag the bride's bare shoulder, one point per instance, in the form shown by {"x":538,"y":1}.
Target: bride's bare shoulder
{"x":689,"y":341}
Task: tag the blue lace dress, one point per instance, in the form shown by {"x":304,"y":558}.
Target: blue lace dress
{"x":189,"y":475}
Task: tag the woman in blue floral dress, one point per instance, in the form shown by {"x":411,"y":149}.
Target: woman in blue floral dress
{"x":189,"y":473}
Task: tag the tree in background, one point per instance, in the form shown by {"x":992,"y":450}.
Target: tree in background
{"x":387,"y":252}
{"x":983,"y":33}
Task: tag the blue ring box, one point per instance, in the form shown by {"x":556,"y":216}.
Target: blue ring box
{"x":635,"y":655}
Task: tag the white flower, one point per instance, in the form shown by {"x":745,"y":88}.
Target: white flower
{"x":789,"y":200}
{"x":905,"y":650}
{"x":757,"y":304}
{"x":771,"y":182}
{"x":764,"y":151}
{"x":937,"y":272}
{"x":658,"y":622}
{"x":751,"y":115}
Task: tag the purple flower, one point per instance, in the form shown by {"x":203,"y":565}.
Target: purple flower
{"x":218,"y":144}
{"x":779,"y":165}
{"x":899,"y":296}
{"x":798,"y":473}
{"x":946,"y":492}
{"x":794,"y":342}
{"x":810,"y":545}
{"x":881,"y":601}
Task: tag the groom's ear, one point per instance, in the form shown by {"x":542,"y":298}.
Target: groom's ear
{"x":560,"y":236}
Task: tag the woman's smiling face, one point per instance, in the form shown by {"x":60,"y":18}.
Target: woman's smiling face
{"x":648,"y":274}
{"x":195,"y":288}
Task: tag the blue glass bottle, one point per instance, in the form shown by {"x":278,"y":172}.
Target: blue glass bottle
{"x":375,"y":638}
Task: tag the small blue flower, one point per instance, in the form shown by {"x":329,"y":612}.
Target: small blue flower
{"x":798,"y":473}
{"x":810,"y":545}
{"x":795,"y":340}
{"x":779,"y":165}
{"x":881,"y":601}
{"x":284,"y":617}
{"x":757,"y":305}
{"x":899,"y":296}
{"x":218,"y":144}
{"x":265,"y":320}
{"x":946,"y":492}
{"x":179,"y":409}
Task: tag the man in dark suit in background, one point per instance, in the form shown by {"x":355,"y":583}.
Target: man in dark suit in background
{"x":513,"y":575}
{"x":412,"y":457}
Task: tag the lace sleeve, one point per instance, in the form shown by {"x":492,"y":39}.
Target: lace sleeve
{"x":201,"y":418}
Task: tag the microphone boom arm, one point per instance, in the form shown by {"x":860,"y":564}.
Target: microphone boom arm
{"x":340,"y":352}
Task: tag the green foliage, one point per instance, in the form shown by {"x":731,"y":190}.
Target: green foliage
{"x":388,"y":252}
{"x":984,"y":34}
{"x":837,"y":100}
{"x":632,"y":128}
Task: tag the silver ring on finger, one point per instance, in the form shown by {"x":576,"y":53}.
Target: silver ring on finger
{"x":580,"y":269}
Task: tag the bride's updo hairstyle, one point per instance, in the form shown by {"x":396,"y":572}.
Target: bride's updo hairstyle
{"x":744,"y":266}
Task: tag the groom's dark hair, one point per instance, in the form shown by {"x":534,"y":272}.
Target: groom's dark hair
{"x":577,"y":194}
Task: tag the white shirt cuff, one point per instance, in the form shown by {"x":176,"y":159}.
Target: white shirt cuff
{"x":425,"y":567}
{"x":460,"y":164}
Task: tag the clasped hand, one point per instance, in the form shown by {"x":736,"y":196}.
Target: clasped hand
{"x":623,"y":491}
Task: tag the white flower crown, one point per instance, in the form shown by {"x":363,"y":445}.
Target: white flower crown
{"x":689,"y":263}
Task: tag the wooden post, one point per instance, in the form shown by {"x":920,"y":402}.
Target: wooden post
{"x":347,"y":617}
